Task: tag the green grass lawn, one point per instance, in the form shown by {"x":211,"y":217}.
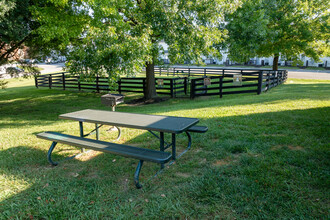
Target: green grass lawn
{"x":264,"y":157}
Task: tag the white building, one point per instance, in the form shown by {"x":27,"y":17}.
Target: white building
{"x":258,"y":61}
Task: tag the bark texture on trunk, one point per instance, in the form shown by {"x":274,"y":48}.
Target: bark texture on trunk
{"x":275,"y":62}
{"x":150,"y":90}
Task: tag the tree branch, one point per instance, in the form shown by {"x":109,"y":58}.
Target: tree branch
{"x":7,"y":54}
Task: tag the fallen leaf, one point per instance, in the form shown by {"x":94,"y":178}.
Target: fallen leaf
{"x":47,"y":184}
{"x":162,"y":195}
{"x":92,"y":202}
{"x":114,"y":160}
{"x":131,"y":200}
{"x":39,"y":198}
{"x":146,"y":200}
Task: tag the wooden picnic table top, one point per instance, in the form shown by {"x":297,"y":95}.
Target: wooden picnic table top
{"x":169,"y":124}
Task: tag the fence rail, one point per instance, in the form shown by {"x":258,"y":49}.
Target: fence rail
{"x":177,"y":82}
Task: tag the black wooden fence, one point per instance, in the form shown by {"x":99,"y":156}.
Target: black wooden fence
{"x":251,"y":82}
{"x":175,"y":82}
{"x":174,"y":87}
{"x":218,"y":81}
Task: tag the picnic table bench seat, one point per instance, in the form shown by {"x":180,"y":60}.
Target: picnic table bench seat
{"x":198,"y":129}
{"x":141,"y":154}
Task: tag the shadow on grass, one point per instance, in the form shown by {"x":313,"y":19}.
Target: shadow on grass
{"x":31,"y":106}
{"x":268,"y":165}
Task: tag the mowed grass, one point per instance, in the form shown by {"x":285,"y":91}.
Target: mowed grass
{"x":265,"y":157}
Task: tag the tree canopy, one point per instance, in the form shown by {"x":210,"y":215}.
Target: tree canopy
{"x":279,"y":27}
{"x":121,"y":36}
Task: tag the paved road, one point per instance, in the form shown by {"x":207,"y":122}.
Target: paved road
{"x":51,"y":68}
{"x":317,"y":74}
{"x":298,"y":74}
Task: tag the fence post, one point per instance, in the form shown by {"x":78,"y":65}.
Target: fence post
{"x":220,"y":85}
{"x":204,"y":71}
{"x":188,"y":72}
{"x":79,"y":86}
{"x":144,"y":86}
{"x":192,"y":89}
{"x":261,"y":73}
{"x":50,"y":81}
{"x":36,"y":81}
{"x":63,"y":81}
{"x":185,"y":85}
{"x":119,"y":86}
{"x":172,"y":87}
{"x":97,"y":84}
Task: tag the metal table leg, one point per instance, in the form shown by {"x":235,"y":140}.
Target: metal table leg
{"x":49,"y":155}
{"x":81,"y":127}
{"x":173,"y":147}
{"x":162,"y":148}
{"x":96,"y":131}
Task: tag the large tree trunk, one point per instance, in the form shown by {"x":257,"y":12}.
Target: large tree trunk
{"x":150,"y":90}
{"x":275,"y":62}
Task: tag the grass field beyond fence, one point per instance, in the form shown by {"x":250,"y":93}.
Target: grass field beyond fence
{"x":264,"y":157}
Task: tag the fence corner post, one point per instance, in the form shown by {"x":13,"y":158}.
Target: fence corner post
{"x":260,"y":79}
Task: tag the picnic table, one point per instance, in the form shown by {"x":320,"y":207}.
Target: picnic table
{"x":152,"y":123}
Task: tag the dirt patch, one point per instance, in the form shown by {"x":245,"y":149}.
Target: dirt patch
{"x":298,"y":148}
{"x":92,"y":175}
{"x":88,"y":156}
{"x":225,"y":161}
{"x":277,"y":147}
{"x":215,"y":140}
{"x":290,"y":147}
{"x":273,"y":135}
{"x":184,"y":175}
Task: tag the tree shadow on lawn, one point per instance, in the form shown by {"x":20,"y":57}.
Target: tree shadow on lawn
{"x":44,"y":107}
{"x":268,"y":165}
{"x":40,"y":107}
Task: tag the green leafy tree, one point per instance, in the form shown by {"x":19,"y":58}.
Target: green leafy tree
{"x":16,"y":27}
{"x":117,"y":37}
{"x":279,"y":27}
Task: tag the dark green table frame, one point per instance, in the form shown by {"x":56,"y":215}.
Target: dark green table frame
{"x":151,"y":123}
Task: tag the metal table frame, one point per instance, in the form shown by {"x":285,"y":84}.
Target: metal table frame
{"x":176,"y":125}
